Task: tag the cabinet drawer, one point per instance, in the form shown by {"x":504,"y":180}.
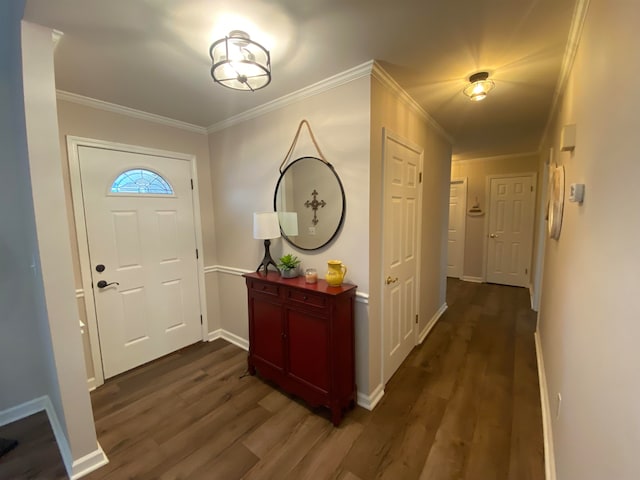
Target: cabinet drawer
{"x":268,"y":288}
{"x":306,"y":298}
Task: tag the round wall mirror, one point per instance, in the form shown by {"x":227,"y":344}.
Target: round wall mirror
{"x":310,"y":202}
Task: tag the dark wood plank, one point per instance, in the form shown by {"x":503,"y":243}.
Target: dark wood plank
{"x":464,"y":405}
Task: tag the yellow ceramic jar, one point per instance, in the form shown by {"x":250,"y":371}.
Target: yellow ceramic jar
{"x":335,"y":274}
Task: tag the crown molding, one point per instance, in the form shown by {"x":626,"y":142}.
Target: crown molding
{"x":56,"y":35}
{"x":496,"y":157}
{"x":573,"y":41}
{"x":330,"y":83}
{"x":129,"y":112}
{"x":387,"y":80}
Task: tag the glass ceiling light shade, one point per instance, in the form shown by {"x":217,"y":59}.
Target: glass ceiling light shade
{"x":479,"y":86}
{"x":240,"y":63}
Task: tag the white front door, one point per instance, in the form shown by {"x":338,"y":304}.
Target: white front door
{"x":142,"y":245}
{"x":401,"y":243}
{"x":510,"y":230}
{"x":457,"y":217}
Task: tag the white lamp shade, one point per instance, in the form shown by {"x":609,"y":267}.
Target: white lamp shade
{"x":265,"y":225}
{"x":289,"y":223}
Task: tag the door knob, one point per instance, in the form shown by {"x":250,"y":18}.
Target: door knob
{"x":493,"y":235}
{"x":391,"y":280}
{"x":103,"y":283}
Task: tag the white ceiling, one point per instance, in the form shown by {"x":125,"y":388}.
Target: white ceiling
{"x":153,"y":55}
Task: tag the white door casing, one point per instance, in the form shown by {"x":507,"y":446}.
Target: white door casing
{"x":456,"y":229}
{"x":510,"y":229}
{"x":401,"y":250}
{"x":148,"y":244}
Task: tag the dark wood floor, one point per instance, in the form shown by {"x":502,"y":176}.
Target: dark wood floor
{"x":464,"y":405}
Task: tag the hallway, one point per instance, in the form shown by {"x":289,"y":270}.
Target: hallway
{"x":464,"y":405}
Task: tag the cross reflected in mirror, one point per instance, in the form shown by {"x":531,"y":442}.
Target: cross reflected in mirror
{"x":314,"y":204}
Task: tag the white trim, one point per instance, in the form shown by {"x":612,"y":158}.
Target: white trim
{"x":432,"y":322}
{"x":21,"y":411}
{"x":361,"y":297}
{"x":73,"y":144}
{"x":91,"y":384}
{"x":383,"y":76}
{"x":335,"y":81}
{"x":532,"y":297}
{"x":128,"y":112}
{"x":89,"y":463}
{"x":491,"y":158}
{"x":573,"y":41}
{"x":228,"y":270}
{"x":469,"y":278}
{"x":75,"y":468}
{"x":237,"y":340}
{"x":370,"y":401}
{"x":79,"y":293}
{"x":547,"y":430}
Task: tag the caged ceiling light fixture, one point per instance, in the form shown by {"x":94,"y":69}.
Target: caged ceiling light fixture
{"x":240,"y":63}
{"x":479,"y":86}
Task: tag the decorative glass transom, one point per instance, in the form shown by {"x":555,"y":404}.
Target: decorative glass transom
{"x":139,"y":180}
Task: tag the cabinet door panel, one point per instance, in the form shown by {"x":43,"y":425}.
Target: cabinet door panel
{"x":266,"y":337}
{"x":308,"y":349}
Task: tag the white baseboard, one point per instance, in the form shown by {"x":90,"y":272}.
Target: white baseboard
{"x":370,"y":401}
{"x":91,"y":383}
{"x":23,"y":410}
{"x":468,"y":278}
{"x":549,"y":455}
{"x":432,"y":322}
{"x":89,"y":463}
{"x":75,"y":468}
{"x":229,"y":337}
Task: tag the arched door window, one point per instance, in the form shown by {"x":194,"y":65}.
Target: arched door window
{"x":140,"y":180}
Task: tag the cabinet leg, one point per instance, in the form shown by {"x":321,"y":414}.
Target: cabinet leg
{"x":336,"y":416}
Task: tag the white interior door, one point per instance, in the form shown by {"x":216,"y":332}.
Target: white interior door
{"x":143,"y":239}
{"x":510,"y":230}
{"x":401,"y":241}
{"x":456,"y":230}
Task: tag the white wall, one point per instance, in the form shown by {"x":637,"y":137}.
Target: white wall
{"x":26,"y":366}
{"x":74,"y":407}
{"x":589,"y":322}
{"x":244,"y":170}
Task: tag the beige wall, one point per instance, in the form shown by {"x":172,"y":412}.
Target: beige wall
{"x":476,"y":172}
{"x":589,"y":323}
{"x":390,"y":112}
{"x":244,"y":170}
{"x":88,"y":122}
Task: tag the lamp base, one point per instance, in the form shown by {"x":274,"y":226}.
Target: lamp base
{"x":267,"y":260}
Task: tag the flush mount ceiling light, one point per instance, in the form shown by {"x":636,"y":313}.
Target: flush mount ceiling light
{"x":240,"y":63}
{"x":479,"y":86}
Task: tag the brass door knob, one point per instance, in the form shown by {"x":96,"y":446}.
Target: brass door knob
{"x":391,"y":280}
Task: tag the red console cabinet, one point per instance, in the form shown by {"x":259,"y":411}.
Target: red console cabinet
{"x":301,"y":336}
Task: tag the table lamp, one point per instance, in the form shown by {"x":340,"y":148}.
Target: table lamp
{"x":266,"y":227}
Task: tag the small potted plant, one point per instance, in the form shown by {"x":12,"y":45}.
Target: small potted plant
{"x":288,"y":265}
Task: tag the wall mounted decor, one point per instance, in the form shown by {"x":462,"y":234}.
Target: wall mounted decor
{"x":556,"y":201}
{"x":298,"y":179}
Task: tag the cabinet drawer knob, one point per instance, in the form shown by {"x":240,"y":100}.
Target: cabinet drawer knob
{"x":305,"y":297}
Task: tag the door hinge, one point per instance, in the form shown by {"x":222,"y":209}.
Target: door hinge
{"x":526,"y":271}
{"x":200,"y":319}
{"x":192,"y":184}
{"x":532,"y":188}
{"x":420,"y":177}
{"x":197,"y":254}
{"x":416,"y":318}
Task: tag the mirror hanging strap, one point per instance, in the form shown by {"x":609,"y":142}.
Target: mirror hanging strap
{"x":295,"y":140}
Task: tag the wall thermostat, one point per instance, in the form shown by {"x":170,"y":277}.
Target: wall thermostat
{"x":576,"y":192}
